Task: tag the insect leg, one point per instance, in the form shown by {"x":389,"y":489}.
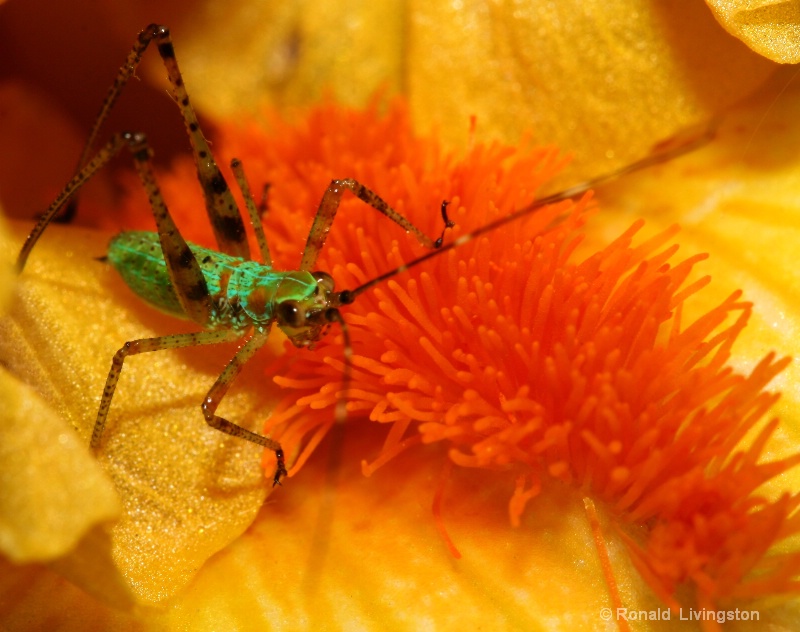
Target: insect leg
{"x":226,"y":220}
{"x":330,"y":204}
{"x":220,"y":205}
{"x":126,"y":71}
{"x":184,"y":271}
{"x":220,"y":388}
{"x":78,"y":180}
{"x":255,"y":217}
{"x":146,"y":345}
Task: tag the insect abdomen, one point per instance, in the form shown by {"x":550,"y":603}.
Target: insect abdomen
{"x":138,"y":258}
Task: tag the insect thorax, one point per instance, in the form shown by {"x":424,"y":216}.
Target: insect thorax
{"x":243,"y":293}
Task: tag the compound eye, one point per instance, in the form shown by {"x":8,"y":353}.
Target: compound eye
{"x":289,"y":313}
{"x":325,"y":280}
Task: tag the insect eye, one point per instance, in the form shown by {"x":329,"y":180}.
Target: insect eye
{"x":289,"y":313}
{"x":325,"y":280}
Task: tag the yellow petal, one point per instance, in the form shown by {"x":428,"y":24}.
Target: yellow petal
{"x":186,"y":490}
{"x":605,"y":80}
{"x":415,"y":586}
{"x":736,"y":198}
{"x":349,"y":47}
{"x":769,"y":27}
{"x":52,"y":491}
{"x":369,"y":554}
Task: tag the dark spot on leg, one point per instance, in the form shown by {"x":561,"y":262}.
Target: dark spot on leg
{"x":217,"y":184}
{"x":166,"y":50}
{"x":231,"y":228}
{"x":185,"y":258}
{"x":197,"y":292}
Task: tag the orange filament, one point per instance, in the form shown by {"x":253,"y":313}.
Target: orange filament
{"x":528,"y":354}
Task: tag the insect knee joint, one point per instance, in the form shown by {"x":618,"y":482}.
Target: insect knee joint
{"x":209,"y":407}
{"x":122,"y":353}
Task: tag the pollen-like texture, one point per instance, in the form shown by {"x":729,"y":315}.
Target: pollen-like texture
{"x":525,"y":352}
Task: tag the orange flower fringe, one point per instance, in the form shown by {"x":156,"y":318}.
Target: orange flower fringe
{"x":526,"y":358}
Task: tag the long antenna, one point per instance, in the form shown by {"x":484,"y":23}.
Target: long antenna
{"x":348,"y":296}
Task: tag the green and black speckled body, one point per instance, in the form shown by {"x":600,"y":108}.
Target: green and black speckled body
{"x":243,"y":293}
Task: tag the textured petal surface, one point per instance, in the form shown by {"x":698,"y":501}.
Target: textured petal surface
{"x":738,"y":200}
{"x":52,"y":490}
{"x":606,"y":80}
{"x":382,"y":563}
{"x":186,"y":491}
{"x":769,"y":27}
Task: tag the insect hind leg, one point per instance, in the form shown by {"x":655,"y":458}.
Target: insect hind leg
{"x":223,"y":213}
{"x":226,"y":220}
{"x":187,"y":278}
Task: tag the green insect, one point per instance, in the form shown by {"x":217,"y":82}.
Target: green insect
{"x":225,"y":292}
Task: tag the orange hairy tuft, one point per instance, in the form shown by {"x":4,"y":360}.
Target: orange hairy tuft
{"x":525,"y":354}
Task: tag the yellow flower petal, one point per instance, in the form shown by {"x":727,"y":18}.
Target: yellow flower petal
{"x":186,"y":490}
{"x":769,"y":27}
{"x":605,"y":80}
{"x":737,"y":200}
{"x":52,"y":491}
{"x":369,"y":555}
{"x":606,"y":83}
{"x":485,"y":587}
{"x":349,"y":47}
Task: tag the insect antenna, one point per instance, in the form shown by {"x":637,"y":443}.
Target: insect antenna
{"x":348,"y":296}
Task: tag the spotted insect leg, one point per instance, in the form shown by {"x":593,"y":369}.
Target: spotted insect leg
{"x":148,"y":345}
{"x":78,"y":180}
{"x":254,"y":212}
{"x":220,"y":388}
{"x":327,"y":212}
{"x":185,"y":274}
{"x":226,"y":220}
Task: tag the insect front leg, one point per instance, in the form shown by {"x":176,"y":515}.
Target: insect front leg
{"x":147,"y":345}
{"x":255,"y":213}
{"x":330,"y":204}
{"x":220,"y":388}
